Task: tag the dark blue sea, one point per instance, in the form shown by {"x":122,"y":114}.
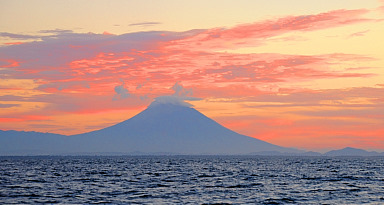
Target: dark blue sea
{"x":192,"y":180}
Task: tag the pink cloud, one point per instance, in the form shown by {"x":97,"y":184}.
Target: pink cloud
{"x":255,"y":33}
{"x":153,"y":55}
{"x":381,"y":8}
{"x":14,"y":43}
{"x":159,"y":68}
{"x":107,"y":33}
{"x":9,"y":63}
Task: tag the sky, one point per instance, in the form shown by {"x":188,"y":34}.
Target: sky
{"x":298,"y":73}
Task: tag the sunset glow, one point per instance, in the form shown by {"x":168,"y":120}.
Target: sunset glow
{"x":310,"y":76}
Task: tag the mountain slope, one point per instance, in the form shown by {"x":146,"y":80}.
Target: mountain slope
{"x":31,"y":143}
{"x":171,"y":128}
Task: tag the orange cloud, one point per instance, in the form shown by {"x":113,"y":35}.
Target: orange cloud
{"x":25,"y":118}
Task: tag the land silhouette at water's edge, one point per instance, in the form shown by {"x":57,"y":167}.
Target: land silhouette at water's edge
{"x":350,"y":151}
{"x":26,"y":146}
{"x":161,"y":129}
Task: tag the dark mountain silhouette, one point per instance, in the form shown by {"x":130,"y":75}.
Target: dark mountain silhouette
{"x":162,"y":128}
{"x":349,"y":151}
{"x":171,"y":128}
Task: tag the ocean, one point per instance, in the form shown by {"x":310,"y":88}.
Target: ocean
{"x":191,"y":180}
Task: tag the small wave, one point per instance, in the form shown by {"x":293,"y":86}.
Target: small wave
{"x":157,"y":185}
{"x":311,"y":178}
{"x":244,"y":185}
{"x":278,"y":201}
{"x":36,"y":180}
{"x":206,"y":175}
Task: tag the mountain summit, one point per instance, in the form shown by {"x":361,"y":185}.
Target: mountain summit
{"x":168,"y":125}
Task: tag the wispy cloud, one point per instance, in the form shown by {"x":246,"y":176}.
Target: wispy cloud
{"x":19,"y":36}
{"x":256,"y":33}
{"x":56,"y":31}
{"x":357,"y":34}
{"x":8,"y":105}
{"x":145,"y":23}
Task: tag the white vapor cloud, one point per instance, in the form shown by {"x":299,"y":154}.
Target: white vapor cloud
{"x":178,"y":98}
{"x":180,"y":90}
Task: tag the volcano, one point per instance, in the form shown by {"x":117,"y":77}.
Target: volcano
{"x":162,"y":128}
{"x":171,"y":128}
